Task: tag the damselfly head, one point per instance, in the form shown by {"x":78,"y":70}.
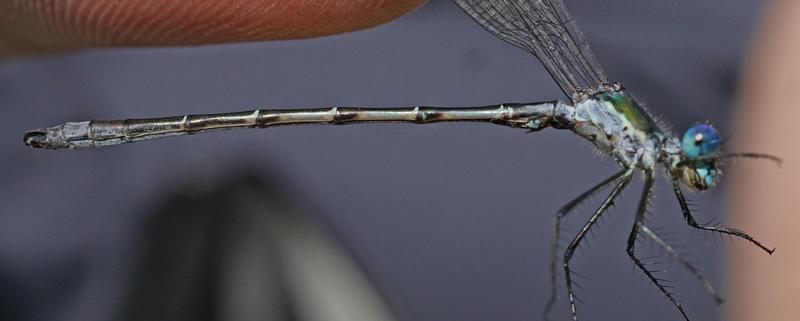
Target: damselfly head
{"x":697,"y":163}
{"x":698,"y":168}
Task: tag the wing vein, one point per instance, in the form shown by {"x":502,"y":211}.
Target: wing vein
{"x":547,"y":30}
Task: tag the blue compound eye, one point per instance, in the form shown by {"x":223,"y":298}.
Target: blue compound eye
{"x":700,"y":140}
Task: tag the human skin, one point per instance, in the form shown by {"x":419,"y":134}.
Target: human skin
{"x":30,"y":27}
{"x":764,"y":199}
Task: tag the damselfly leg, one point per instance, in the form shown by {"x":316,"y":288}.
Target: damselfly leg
{"x":566,"y":209}
{"x":687,"y":215}
{"x":646,"y":231}
{"x":624,"y":180}
{"x":644,"y":202}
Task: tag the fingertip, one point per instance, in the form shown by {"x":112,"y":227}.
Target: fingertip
{"x":81,"y":23}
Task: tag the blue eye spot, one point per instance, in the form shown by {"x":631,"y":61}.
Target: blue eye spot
{"x":700,"y":140}
{"x":702,"y":171}
{"x":709,"y":180}
{"x":708,"y":173}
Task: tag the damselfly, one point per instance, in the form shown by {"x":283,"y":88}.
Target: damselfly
{"x":600,"y":111}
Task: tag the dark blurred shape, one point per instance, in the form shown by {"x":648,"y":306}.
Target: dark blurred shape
{"x":245,"y":249}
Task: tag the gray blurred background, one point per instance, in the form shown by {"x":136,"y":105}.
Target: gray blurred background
{"x":452,"y":221}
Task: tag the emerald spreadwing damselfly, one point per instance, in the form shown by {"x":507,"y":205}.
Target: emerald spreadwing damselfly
{"x":598,"y":110}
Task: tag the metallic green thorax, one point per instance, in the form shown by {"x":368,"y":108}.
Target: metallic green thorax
{"x":624,"y":104}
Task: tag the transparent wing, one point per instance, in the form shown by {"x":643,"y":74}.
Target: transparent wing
{"x":545,"y":29}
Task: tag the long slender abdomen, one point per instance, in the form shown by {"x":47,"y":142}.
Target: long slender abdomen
{"x":98,"y":133}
